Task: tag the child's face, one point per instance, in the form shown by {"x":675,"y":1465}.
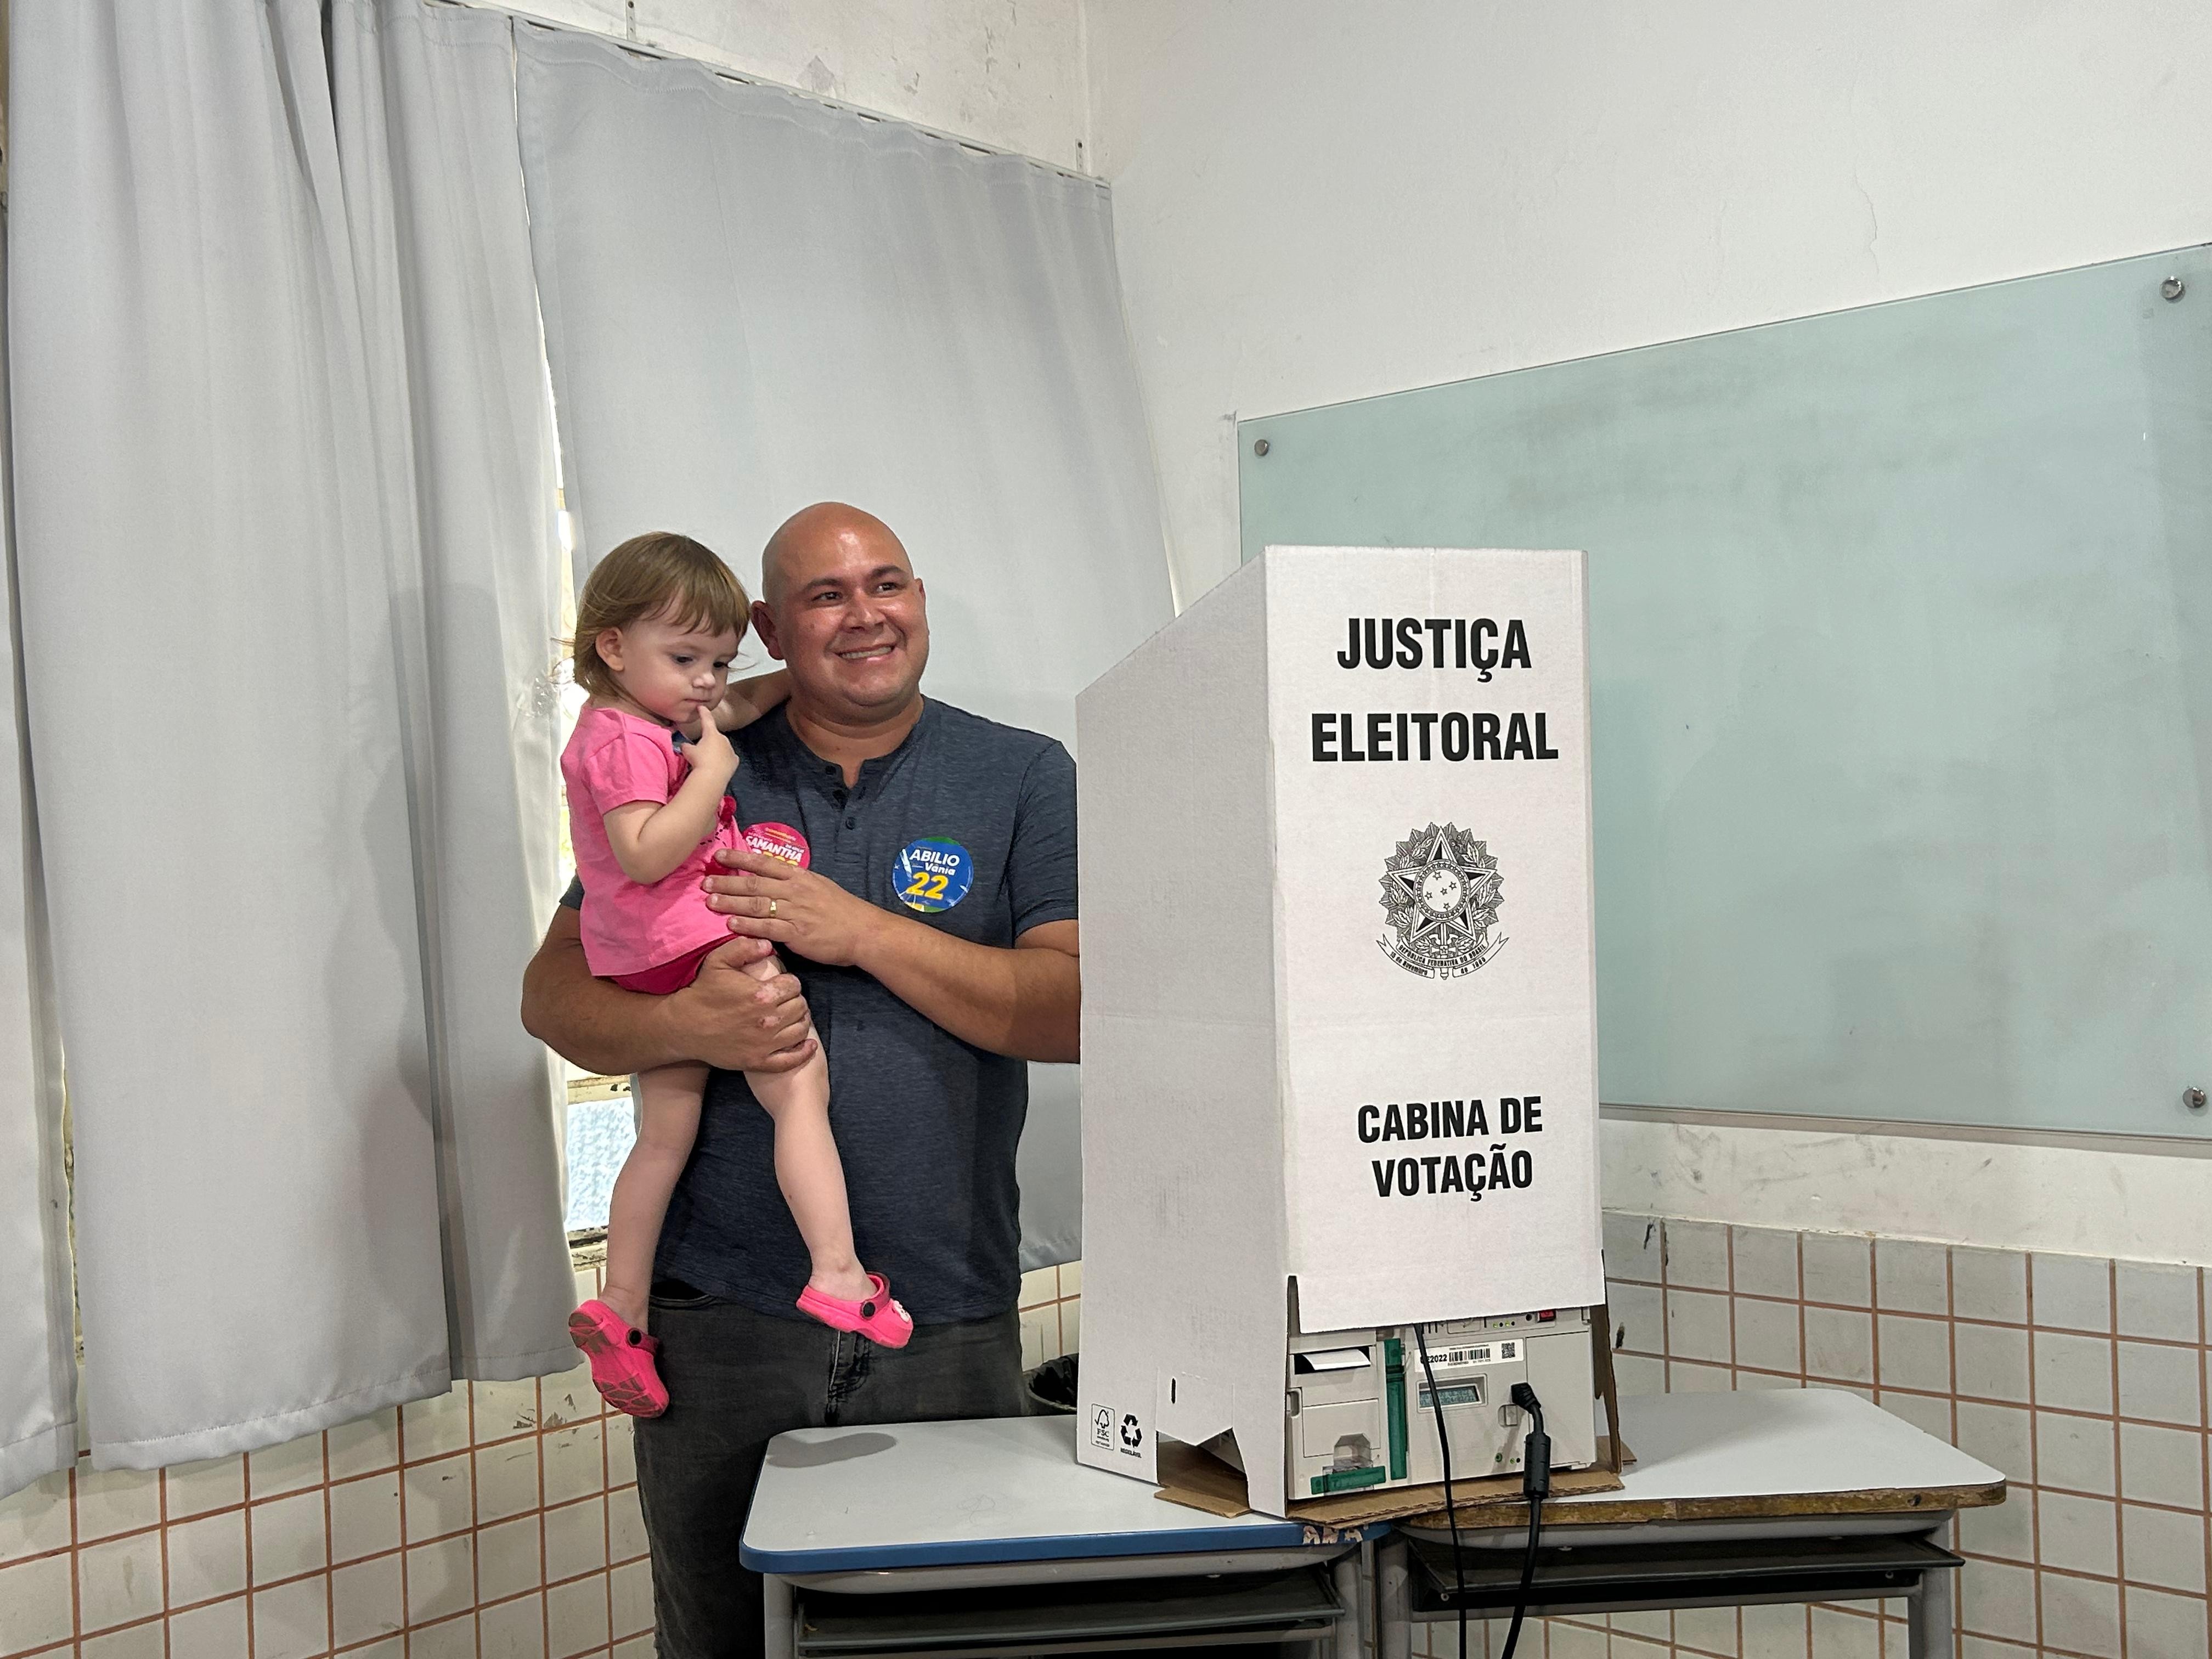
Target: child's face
{"x":669,"y":671}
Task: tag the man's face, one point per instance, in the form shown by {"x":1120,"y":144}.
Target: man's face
{"x":851,"y":622}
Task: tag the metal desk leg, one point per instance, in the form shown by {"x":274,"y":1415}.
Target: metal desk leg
{"x":1345,"y":1575}
{"x":1927,"y":1607}
{"x":780,"y":1628}
{"x":1393,"y":1638}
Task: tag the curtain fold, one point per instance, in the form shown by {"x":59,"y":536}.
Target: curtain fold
{"x":752,"y":302}
{"x":276,"y":421}
{"x":38,"y":1359}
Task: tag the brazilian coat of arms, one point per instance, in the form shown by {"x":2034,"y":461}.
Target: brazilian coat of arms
{"x":1440,"y":897}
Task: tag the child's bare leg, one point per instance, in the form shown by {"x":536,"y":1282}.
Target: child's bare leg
{"x":807,"y":1167}
{"x":668,"y":1120}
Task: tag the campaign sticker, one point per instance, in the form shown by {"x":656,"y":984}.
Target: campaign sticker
{"x":933,"y":874}
{"x":779,"y":841}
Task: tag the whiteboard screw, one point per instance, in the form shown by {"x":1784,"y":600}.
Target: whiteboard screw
{"x":2173,"y":288}
{"x":1259,"y":447}
{"x":2193,"y":1099}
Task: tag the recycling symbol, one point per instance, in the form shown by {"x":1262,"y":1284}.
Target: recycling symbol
{"x":1131,"y":1436}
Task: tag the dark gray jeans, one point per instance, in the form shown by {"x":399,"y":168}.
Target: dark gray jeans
{"x":736,"y":1379}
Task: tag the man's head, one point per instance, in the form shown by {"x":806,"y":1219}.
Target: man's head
{"x":841,"y":608}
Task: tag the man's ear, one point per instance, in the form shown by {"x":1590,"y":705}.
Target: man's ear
{"x":764,"y":625}
{"x":608,"y":644}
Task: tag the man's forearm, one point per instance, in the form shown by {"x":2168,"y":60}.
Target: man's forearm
{"x":592,"y":1023}
{"x":1024,"y":1002}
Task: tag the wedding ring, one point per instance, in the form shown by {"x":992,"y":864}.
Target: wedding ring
{"x":771,"y":907}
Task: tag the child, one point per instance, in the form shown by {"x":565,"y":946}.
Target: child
{"x":658,"y":621}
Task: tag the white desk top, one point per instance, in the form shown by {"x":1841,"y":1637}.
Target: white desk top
{"x":1778,"y":1442}
{"x":1009,"y":1489}
{"x":1004,"y":1489}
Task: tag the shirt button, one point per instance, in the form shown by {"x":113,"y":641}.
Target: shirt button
{"x":851,"y":823}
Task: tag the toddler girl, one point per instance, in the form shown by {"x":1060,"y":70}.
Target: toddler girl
{"x":658,"y":621}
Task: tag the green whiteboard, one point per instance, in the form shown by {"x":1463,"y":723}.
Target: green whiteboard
{"x":1899,"y":621}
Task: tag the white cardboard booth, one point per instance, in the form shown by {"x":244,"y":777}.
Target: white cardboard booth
{"x":1339,"y":1071}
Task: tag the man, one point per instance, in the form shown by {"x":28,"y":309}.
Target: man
{"x":934,"y":933}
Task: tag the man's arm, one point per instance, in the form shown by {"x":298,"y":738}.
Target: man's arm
{"x":1023,"y":1001}
{"x":725,"y":1018}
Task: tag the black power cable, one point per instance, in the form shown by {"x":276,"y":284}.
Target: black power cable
{"x":1536,"y":1483}
{"x":1451,"y":1513}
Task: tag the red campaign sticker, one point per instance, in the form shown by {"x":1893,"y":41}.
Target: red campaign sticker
{"x":779,"y":841}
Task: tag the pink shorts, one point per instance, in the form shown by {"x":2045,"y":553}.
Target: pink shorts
{"x":671,"y":977}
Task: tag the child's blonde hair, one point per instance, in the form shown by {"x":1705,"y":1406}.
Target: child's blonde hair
{"x":660,"y":573}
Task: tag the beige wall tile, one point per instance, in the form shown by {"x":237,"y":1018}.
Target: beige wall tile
{"x":2079,"y":1534}
{"x":1988,"y":1284}
{"x":2162,"y":1383}
{"x":2071,"y":1291}
{"x":2073,"y":1373}
{"x":441,"y":1498}
{"x":365,"y":1516}
{"x":2162,"y":1466}
{"x":2074,"y":1452}
{"x":576,"y":1539}
{"x":195,"y":1488}
{"x":207,"y":1558}
{"x":1838,"y":1267}
{"x":293,"y":1466}
{"x":512,"y":1630}
{"x":2164,"y":1548}
{"x":1697,"y":1255}
{"x":364,"y":1445}
{"x":292,"y":1621}
{"x":119,"y":1581}
{"x":215,"y":1632}
{"x":509,"y":1559}
{"x":2163,"y":1626}
{"x":2081,"y":1615}
{"x":366,"y":1601}
{"x":34,"y":1603}
{"x":290,"y":1537}
{"x":2157,"y":1301}
{"x":577,"y":1614}
{"x":1912,"y":1277}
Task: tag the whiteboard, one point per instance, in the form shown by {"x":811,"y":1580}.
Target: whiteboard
{"x":1901,"y":713}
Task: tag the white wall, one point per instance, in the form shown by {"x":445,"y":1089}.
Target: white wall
{"x":1007,"y":73}
{"x":1317,"y":200}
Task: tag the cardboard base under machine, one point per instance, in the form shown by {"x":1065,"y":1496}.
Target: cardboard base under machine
{"x":1194,"y":1477}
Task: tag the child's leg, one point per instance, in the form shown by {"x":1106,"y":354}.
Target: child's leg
{"x":807,"y":1166}
{"x":668,"y":1120}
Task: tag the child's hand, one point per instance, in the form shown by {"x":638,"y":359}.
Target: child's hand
{"x":710,"y":752}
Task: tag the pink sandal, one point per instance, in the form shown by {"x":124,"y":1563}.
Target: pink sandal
{"x":877,"y":1318}
{"x":622,"y":1360}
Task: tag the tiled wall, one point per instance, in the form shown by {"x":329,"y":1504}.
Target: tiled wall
{"x":2083,"y":1380}
{"x":497,"y":1522}
{"x":501,"y":1520}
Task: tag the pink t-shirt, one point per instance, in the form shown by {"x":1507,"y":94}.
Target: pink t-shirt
{"x":614,"y":758}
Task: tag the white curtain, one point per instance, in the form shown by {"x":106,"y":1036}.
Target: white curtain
{"x":283,"y":505}
{"x":752,"y":302}
{"x":38,"y":1355}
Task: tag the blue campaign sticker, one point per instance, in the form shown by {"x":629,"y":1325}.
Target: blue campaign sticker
{"x":933,"y":874}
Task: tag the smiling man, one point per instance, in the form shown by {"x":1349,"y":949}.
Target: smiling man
{"x":928,"y":908}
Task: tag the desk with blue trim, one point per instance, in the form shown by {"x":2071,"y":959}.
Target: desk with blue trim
{"x":983,"y":1538}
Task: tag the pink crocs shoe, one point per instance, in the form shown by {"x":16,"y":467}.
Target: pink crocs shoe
{"x":622,"y":1360}
{"x":879,"y":1318}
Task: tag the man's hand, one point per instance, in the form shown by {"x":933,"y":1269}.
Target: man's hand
{"x":736,"y":1023}
{"x":772,"y":898}
{"x":725,"y":1018}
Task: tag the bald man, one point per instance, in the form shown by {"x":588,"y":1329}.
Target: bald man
{"x":930,"y":923}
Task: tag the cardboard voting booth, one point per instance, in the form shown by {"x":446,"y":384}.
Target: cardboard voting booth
{"x":1339,"y":1062}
